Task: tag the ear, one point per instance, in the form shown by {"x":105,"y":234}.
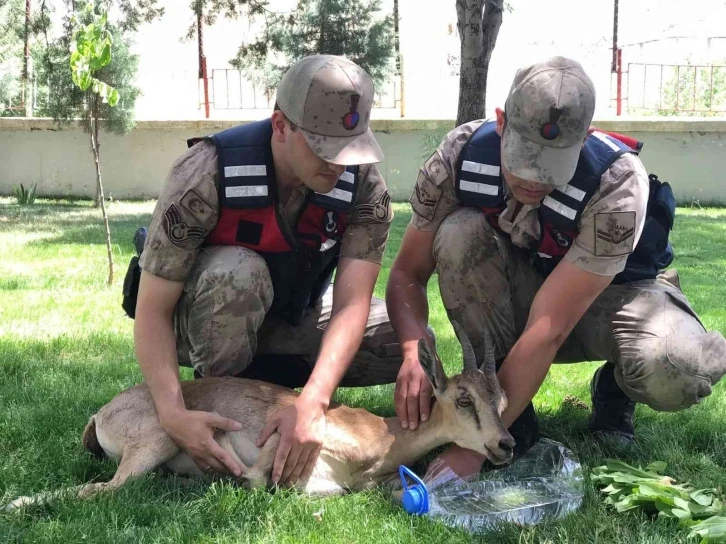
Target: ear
{"x":279,"y":126}
{"x":500,"y":121}
{"x":590,"y":130}
{"x":431,"y":364}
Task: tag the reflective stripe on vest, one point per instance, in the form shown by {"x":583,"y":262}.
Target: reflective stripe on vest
{"x":341,"y":196}
{"x":246,"y":167}
{"x":478,"y":180}
{"x":247,"y":190}
{"x":300,"y":265}
{"x":564,"y":205}
{"x":479,"y":183}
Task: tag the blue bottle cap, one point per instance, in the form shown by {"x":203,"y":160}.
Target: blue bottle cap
{"x":415,"y":498}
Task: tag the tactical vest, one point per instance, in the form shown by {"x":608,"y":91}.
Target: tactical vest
{"x":479,"y":183}
{"x":301,"y":263}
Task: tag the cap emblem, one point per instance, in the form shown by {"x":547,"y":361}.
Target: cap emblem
{"x":551,"y":130}
{"x":350,"y":119}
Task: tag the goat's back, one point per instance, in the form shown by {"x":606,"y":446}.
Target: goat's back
{"x":130,"y":417}
{"x":247,"y":401}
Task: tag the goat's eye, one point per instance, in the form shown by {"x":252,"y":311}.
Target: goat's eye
{"x":463,"y":402}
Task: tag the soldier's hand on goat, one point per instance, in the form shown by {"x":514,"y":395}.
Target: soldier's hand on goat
{"x":302,"y":430}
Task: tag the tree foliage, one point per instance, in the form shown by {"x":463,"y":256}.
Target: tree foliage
{"x":11,"y":28}
{"x":136,"y":13}
{"x":64,"y":101}
{"x":11,"y":51}
{"x":132,"y":14}
{"x":90,"y":52}
{"x":351,"y":28}
{"x":210,"y":10}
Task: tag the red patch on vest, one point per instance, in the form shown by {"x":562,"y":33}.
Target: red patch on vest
{"x":314,"y":228}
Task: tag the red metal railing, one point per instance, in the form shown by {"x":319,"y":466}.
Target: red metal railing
{"x":676,"y":88}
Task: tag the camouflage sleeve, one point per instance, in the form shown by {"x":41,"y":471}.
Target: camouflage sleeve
{"x":433,"y":196}
{"x":370,"y":221}
{"x":185,"y":213}
{"x":613,"y":220}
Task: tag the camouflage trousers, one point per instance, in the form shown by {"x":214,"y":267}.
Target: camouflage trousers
{"x":223,"y":328}
{"x":663,"y":355}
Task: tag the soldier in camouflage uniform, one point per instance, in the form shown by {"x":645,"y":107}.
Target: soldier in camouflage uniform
{"x":496,"y":270}
{"x":208,"y":301}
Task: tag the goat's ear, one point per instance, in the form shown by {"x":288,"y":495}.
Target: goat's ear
{"x":431,"y":364}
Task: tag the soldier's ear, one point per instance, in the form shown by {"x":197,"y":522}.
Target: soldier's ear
{"x":501,"y":121}
{"x":278,"y":126}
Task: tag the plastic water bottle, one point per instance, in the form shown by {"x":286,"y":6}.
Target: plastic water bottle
{"x":545,"y":483}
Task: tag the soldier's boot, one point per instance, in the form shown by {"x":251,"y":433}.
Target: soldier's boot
{"x":525,"y":431}
{"x":611,"y":419}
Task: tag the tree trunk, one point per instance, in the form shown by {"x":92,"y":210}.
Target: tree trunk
{"x":99,"y":186}
{"x":26,"y":91}
{"x":396,"y":37}
{"x":94,"y":129}
{"x":478,"y":22}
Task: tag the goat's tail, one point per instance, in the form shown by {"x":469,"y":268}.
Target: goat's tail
{"x":90,"y":440}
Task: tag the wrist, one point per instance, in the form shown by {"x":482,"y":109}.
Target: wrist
{"x":313,"y":397}
{"x":169,"y":414}
{"x":409,"y":349}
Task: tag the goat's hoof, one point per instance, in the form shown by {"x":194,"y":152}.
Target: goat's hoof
{"x":91,"y":489}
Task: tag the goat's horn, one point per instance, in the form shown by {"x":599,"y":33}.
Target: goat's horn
{"x":466,"y":348}
{"x":490,"y":364}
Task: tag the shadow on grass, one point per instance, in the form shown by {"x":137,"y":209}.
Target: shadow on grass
{"x":17,"y":283}
{"x":72,"y":223}
{"x":122,"y":231}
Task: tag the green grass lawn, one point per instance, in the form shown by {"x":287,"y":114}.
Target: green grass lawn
{"x":66,"y":349}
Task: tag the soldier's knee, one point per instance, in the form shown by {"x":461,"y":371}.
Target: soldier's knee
{"x":238,"y":270}
{"x":461,"y":233}
{"x":670,"y":375}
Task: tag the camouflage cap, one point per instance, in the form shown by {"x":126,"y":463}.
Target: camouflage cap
{"x":330,"y":99}
{"x":548,"y":110}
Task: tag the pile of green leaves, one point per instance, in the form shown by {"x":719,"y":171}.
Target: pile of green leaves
{"x":629,"y":488}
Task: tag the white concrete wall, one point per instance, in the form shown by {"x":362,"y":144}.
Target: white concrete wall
{"x":688,"y":153}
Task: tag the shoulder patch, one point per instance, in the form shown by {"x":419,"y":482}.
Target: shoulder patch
{"x":379,"y":211}
{"x":425,"y":197}
{"x":200,"y":209}
{"x":614,"y":233}
{"x":179,"y":232}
